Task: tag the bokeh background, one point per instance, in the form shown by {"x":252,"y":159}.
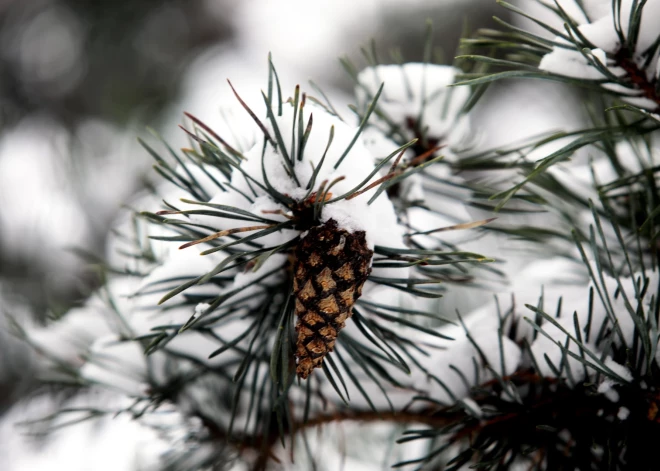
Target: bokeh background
{"x":81,"y":79}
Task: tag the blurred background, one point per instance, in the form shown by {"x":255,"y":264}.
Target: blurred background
{"x":81,"y":79}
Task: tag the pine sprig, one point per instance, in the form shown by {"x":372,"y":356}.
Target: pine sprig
{"x":246,"y":285}
{"x":543,"y":385}
{"x":522,"y":55}
{"x":578,"y":411}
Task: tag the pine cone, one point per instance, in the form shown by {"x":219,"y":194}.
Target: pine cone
{"x":330,"y":268}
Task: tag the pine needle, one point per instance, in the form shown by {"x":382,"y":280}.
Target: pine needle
{"x":224,"y":233}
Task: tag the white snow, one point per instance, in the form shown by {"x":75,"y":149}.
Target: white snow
{"x":201,"y":307}
{"x":571,"y":63}
{"x":377,"y":219}
{"x":602,"y":40}
{"x":623,"y":413}
{"x":418,"y":92}
{"x":39,"y":209}
{"x":620,"y":370}
{"x":106,"y":443}
{"x":606,"y":389}
{"x":117,"y":365}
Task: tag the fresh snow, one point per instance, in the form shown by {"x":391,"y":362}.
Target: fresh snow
{"x":602,"y":42}
{"x":418,"y":92}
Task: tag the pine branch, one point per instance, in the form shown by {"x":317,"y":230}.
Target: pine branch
{"x":637,"y":76}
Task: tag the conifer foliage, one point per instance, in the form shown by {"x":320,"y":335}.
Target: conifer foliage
{"x":286,"y":272}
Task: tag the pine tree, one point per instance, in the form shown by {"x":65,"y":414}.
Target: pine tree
{"x":286,"y":274}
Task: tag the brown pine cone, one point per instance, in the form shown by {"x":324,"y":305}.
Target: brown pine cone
{"x":330,"y":268}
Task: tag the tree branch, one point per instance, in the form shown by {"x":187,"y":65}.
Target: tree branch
{"x":637,"y":76}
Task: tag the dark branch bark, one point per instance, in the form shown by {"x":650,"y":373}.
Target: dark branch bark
{"x":637,"y":76}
